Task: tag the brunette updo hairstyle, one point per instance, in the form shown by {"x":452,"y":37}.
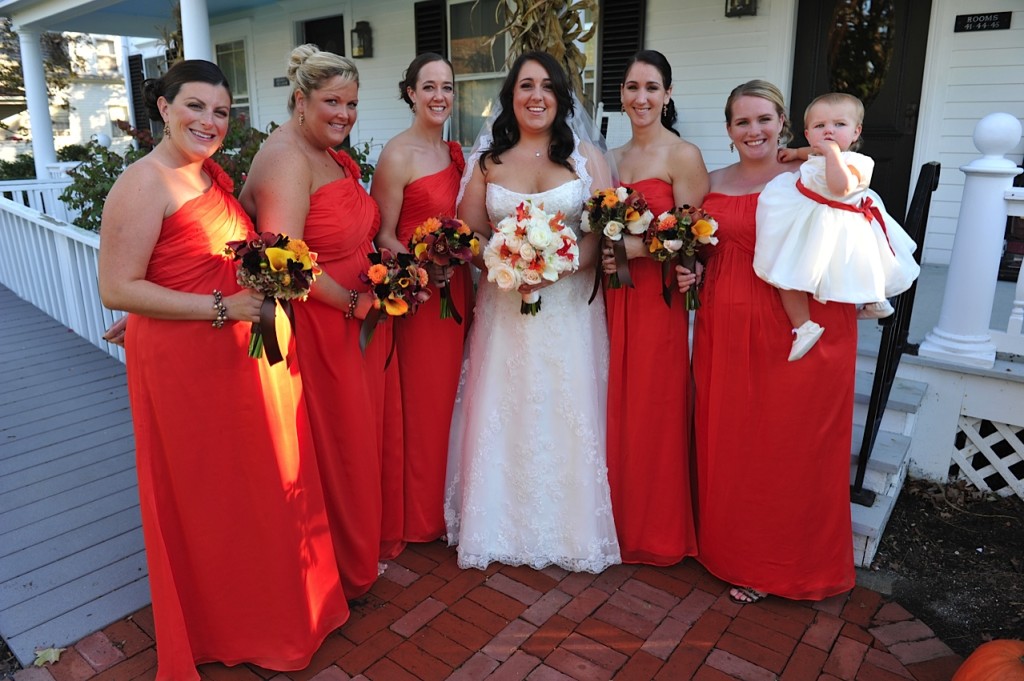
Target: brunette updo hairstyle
{"x":412,"y":74}
{"x":168,"y":85}
{"x":506,"y":129}
{"x":658,"y":61}
{"x":309,"y":68}
{"x":764,"y":90}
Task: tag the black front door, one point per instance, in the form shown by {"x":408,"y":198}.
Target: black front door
{"x":874,"y":49}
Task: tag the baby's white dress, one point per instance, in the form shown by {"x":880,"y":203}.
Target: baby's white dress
{"x":829,"y":252}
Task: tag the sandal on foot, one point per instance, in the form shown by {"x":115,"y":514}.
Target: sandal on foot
{"x":744,"y":595}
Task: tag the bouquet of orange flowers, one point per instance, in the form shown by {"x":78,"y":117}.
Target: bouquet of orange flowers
{"x":529,"y":247}
{"x":444,"y":242}
{"x":280,"y":268}
{"x":613,"y":212}
{"x":680,"y":232}
{"x":398,"y":286}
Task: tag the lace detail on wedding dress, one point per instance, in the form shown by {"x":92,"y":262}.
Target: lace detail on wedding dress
{"x":527,"y":477}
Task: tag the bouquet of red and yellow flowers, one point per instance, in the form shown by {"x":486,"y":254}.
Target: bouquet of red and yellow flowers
{"x":680,"y":232}
{"x":281,"y":269}
{"x":613,"y":212}
{"x":444,"y":242}
{"x":398,"y":286}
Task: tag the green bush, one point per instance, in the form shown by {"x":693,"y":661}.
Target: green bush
{"x":73,"y":152}
{"x":23,"y":167}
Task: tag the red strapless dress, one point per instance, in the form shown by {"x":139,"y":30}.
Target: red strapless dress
{"x":241,"y":567}
{"x":649,"y":408}
{"x":429,"y":353}
{"x":773,"y":436}
{"x":345,"y":389}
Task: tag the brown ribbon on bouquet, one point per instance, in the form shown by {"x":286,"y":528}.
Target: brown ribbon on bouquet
{"x":621,"y":269}
{"x":366,"y":330}
{"x":267,"y":328}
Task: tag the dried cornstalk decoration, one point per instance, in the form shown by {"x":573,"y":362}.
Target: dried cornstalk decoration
{"x":552,"y":26}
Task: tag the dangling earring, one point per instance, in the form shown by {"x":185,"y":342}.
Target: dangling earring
{"x":302,"y":119}
{"x":167,"y":130}
{"x":414,"y":108}
{"x":732,"y":147}
{"x":664,"y":110}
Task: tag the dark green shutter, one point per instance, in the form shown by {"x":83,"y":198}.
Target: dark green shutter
{"x":431,"y":27}
{"x":621,"y":29}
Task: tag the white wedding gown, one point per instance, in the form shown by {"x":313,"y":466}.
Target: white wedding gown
{"x":527,"y":479}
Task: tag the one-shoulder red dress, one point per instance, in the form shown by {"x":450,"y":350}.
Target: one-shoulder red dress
{"x":649,"y":409}
{"x":241,"y":566}
{"x":345,"y":389}
{"x":773,"y":436}
{"x":429,"y":353}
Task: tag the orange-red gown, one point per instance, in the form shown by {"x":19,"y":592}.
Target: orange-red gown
{"x":773,"y":436}
{"x":429,"y":353}
{"x":350,"y":395}
{"x":241,"y":566}
{"x":649,"y":410}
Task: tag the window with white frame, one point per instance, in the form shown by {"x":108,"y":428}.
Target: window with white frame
{"x":231,"y":60}
{"x":479,"y":68}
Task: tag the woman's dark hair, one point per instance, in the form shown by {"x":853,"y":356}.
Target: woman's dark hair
{"x":168,"y":85}
{"x":506,"y":129}
{"x":412,"y":74}
{"x":658,"y":61}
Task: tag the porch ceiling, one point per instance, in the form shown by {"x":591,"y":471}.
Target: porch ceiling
{"x":144,"y":18}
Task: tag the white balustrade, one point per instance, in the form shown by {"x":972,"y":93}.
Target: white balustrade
{"x":54,"y":266}
{"x":962,"y":335}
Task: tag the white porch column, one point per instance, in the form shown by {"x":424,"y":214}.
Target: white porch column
{"x":962,"y":335}
{"x":195,"y":30}
{"x":38,"y":101}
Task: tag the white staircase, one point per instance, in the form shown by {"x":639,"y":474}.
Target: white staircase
{"x":887,"y":466}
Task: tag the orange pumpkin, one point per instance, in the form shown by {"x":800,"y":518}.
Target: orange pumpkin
{"x":1001,"y":660}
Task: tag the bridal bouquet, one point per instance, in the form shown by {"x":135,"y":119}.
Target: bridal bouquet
{"x":680,"y":232}
{"x":529,"y":247}
{"x":445,"y":242}
{"x":281,"y":269}
{"x":613,"y":212}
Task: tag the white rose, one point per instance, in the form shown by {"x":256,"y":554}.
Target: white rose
{"x":613,"y":230}
{"x":507,"y":226}
{"x":585,"y":222}
{"x":504,"y":276}
{"x":514,"y":242}
{"x":640,"y":226}
{"x":621,"y":193}
{"x":527,"y":251}
{"x":532,"y":277}
{"x":551,"y":271}
{"x":539,"y":236}
{"x":673,"y":245}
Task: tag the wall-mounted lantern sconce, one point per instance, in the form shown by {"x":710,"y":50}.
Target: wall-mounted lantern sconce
{"x":740,"y":8}
{"x":362,"y":40}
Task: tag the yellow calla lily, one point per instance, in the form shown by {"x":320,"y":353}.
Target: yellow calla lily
{"x":278,"y":258}
{"x":395,"y":307}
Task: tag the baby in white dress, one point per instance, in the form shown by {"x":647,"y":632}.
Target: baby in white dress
{"x":821,"y":231}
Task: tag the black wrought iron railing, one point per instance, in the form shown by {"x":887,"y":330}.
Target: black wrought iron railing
{"x":894,"y":334}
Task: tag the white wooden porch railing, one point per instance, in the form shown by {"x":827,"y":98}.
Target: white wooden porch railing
{"x":53,"y":265}
{"x":42,"y":196}
{"x":962,"y":335}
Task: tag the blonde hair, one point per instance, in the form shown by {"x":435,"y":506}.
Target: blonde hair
{"x":309,"y":67}
{"x":764,"y":90}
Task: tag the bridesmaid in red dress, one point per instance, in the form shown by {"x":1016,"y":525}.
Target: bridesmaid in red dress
{"x":649,"y":375}
{"x":773,"y":437}
{"x":417,"y":177}
{"x":241,"y":565}
{"x":299,"y":186}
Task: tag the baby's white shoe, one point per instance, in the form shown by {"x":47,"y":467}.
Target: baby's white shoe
{"x":807,"y":334}
{"x":879,"y":310}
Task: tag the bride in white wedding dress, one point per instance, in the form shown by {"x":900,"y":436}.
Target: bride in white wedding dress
{"x":527,"y":481}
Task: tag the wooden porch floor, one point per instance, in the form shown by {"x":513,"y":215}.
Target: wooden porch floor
{"x":71,"y":550}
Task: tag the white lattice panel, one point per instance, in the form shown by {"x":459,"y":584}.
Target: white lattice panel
{"x":990,"y":454}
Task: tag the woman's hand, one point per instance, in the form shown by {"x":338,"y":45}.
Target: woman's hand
{"x":544,"y":283}
{"x":440,"y":275}
{"x":244,"y":306}
{"x":635,"y":248}
{"x":363,"y":305}
{"x":686,"y":279}
{"x":115,"y":332}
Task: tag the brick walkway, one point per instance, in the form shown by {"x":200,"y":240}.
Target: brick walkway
{"x":427,"y":619}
